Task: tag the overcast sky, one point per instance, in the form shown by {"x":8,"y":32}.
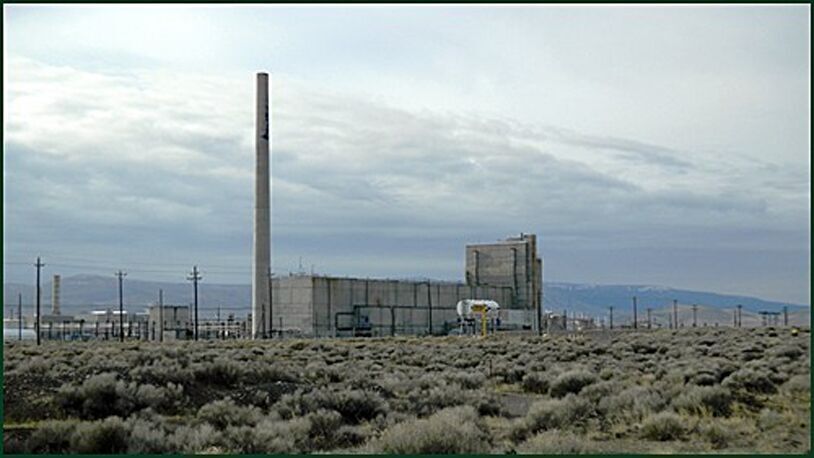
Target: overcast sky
{"x":644,"y":145}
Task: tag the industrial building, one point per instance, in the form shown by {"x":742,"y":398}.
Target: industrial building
{"x":168,"y":322}
{"x":508,"y":272}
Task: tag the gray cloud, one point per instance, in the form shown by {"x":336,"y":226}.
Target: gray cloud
{"x":148,"y":165}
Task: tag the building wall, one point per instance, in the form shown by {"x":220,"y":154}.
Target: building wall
{"x":292,"y":305}
{"x":411,"y":314}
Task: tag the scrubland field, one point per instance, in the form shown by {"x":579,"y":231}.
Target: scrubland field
{"x":706,"y":390}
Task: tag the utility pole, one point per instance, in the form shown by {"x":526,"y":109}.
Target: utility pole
{"x":161,"y":314}
{"x":121,"y":276}
{"x":271,"y":305}
{"x":611,"y":316}
{"x":694,"y":315}
{"x":649,"y":323}
{"x":785,"y":316}
{"x":635,"y":319}
{"x":39,"y":265}
{"x":429,"y":303}
{"x":675,"y":313}
{"x":195,"y":277}
{"x":565,"y":320}
{"x":20,"y":316}
{"x":740,"y":316}
{"x":734,"y":318}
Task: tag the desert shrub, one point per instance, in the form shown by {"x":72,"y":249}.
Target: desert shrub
{"x":467,"y":380}
{"x":51,"y":437}
{"x":769,"y":419}
{"x":354,"y":405}
{"x":487,"y":406}
{"x":633,"y":403}
{"x":535,"y":382}
{"x":275,"y":372}
{"x":220,"y":372}
{"x":241,"y":439}
{"x":37,"y":365}
{"x":514,"y":374}
{"x":323,"y":425}
{"x":570,"y":412}
{"x":600,"y":390}
{"x":104,"y":395}
{"x":321,"y":373}
{"x":454,"y":430}
{"x":162,"y":371}
{"x":350,"y":436}
{"x":425,"y":402}
{"x":747,"y":383}
{"x":664,"y":426}
{"x":104,"y":436}
{"x":226,"y":412}
{"x":703,"y":379}
{"x":571,"y":382}
{"x":607,"y":373}
{"x":194,"y":438}
{"x":701,"y":399}
{"x":145,"y":436}
{"x":269,"y":437}
{"x":792,"y":352}
{"x":717,"y":435}
{"x":798,"y":384}
{"x":97,"y":397}
{"x":555,"y":442}
{"x":358,"y":405}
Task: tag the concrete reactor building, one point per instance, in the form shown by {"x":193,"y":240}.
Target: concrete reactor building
{"x":508,"y":272}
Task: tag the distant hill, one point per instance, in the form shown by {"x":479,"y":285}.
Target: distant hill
{"x":84,"y":292}
{"x":594,"y":300}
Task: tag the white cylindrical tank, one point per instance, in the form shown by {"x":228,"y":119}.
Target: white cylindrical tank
{"x":465,"y":306}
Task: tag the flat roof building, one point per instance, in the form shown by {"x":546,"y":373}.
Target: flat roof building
{"x":508,"y":272}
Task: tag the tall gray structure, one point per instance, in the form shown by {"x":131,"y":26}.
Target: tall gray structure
{"x":55,"y":295}
{"x":261,"y":267}
{"x":512,"y":263}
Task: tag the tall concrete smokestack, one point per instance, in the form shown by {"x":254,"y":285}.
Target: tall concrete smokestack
{"x":262,"y":215}
{"x":55,"y":296}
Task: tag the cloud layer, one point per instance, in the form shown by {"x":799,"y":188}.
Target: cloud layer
{"x":143,"y":166}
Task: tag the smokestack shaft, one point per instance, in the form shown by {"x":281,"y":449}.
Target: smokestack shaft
{"x":55,"y":295}
{"x":262,"y":212}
